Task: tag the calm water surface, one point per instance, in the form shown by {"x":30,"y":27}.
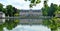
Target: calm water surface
{"x":14,"y":25}
{"x":29,"y":28}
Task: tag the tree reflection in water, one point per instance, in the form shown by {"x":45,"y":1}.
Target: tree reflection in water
{"x":9,"y":24}
{"x":53,"y":24}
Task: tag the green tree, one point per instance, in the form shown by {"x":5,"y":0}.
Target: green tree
{"x":5,"y":11}
{"x":10,"y":10}
{"x":52,"y":9}
{"x":45,"y":9}
{"x":1,"y":7}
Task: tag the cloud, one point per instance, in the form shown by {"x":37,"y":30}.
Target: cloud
{"x":21,"y":4}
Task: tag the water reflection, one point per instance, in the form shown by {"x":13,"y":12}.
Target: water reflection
{"x":13,"y":25}
{"x":29,"y":28}
{"x":9,"y":24}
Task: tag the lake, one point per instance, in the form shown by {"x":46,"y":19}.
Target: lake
{"x":28,"y":25}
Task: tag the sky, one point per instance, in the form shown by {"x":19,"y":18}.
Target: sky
{"x":21,"y":4}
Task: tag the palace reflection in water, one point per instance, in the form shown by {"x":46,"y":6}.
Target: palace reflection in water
{"x":12,"y":23}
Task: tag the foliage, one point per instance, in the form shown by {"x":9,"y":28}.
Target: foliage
{"x":1,"y":7}
{"x":9,"y":10}
{"x":54,"y":22}
{"x":9,"y":24}
{"x":33,"y":2}
{"x":52,"y":9}
{"x":49,"y":11}
{"x":1,"y":27}
{"x":45,"y":9}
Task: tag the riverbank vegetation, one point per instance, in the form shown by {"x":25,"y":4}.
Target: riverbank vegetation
{"x":11,"y":12}
{"x":54,"y":11}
